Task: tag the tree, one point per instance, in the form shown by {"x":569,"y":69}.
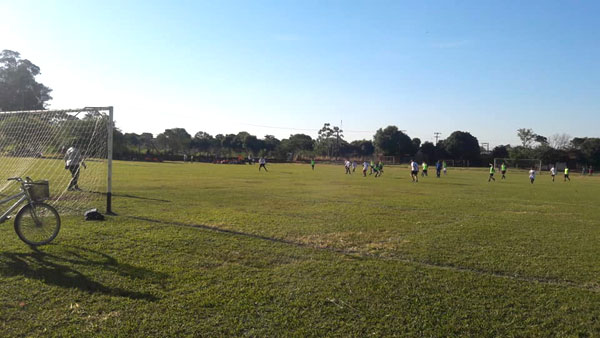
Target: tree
{"x":393,"y":142}
{"x":203,"y":141}
{"x":527,"y":137}
{"x":329,"y":140}
{"x":270,"y":143}
{"x":18,"y":88}
{"x":416,"y":142}
{"x":590,"y":149}
{"x":363,"y":147}
{"x":133,"y":139}
{"x":520,"y":152}
{"x":500,"y":152}
{"x":548,"y":154}
{"x":232,"y":143}
{"x":146,"y":140}
{"x":462,"y":145}
{"x":559,"y":141}
{"x":427,"y":150}
{"x":175,"y":140}
{"x":301,"y":142}
{"x":542,"y":140}
{"x":252,"y":144}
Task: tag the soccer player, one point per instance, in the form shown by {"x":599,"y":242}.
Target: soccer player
{"x":532,"y":175}
{"x":262,"y":163}
{"x":552,"y":172}
{"x":503,"y":170}
{"x":424,"y":173}
{"x":414,"y":171}
{"x":492,"y":171}
{"x":438,"y":168}
{"x":372,"y":167}
{"x":567,"y":174}
{"x":378,"y":169}
{"x":347,"y":166}
{"x":73,"y":161}
{"x":312,"y":164}
{"x":353,"y":166}
{"x":365,"y":168}
{"x":444,"y":166}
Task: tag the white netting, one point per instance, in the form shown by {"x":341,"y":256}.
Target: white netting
{"x":388,"y":160}
{"x":68,"y":148}
{"x":525,"y":164}
{"x":457,"y":163}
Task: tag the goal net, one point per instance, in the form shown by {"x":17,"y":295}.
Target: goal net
{"x":525,"y":164}
{"x":388,"y":160}
{"x":68,"y":148}
{"x":457,"y":163}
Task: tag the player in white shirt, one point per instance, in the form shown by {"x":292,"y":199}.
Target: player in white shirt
{"x":532,"y":175}
{"x":73,"y":161}
{"x":414,"y":171}
{"x":347,"y":165}
{"x":553,"y":173}
{"x":262,"y":163}
{"x":365,"y":168}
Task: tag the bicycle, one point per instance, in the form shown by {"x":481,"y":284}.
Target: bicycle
{"x":36,"y":223}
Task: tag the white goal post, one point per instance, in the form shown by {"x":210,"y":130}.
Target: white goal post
{"x":70,"y":148}
{"x":525,"y":164}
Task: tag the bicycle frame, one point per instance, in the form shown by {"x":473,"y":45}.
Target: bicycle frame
{"x":22,"y":196}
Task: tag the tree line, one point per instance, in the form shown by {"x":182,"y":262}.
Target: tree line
{"x":20,"y":91}
{"x":330,"y":144}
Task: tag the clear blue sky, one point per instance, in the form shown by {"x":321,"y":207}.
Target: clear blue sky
{"x":487,"y":67}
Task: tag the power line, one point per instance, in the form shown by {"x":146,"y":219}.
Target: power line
{"x":302,"y":129}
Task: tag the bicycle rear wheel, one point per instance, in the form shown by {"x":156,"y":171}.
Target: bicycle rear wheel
{"x":37,"y":224}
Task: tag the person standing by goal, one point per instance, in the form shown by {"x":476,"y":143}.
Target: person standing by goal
{"x":73,"y":161}
{"x":503,"y":170}
{"x":532,"y":175}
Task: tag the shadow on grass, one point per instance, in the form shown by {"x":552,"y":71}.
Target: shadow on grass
{"x":62,"y":270}
{"x":358,"y":254}
{"x":128,"y":196}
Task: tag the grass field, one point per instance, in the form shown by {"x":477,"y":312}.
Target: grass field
{"x":213,"y":250}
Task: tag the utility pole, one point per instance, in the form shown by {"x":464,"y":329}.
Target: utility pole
{"x":437,"y":136}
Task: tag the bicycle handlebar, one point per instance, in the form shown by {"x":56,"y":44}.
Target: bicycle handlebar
{"x":18,"y":179}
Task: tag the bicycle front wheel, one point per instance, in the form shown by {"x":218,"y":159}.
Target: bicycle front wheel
{"x":37,"y":224}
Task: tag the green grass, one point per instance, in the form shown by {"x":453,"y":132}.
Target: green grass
{"x":213,"y":250}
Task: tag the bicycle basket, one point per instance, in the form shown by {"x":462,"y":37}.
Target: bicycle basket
{"x":38,"y":190}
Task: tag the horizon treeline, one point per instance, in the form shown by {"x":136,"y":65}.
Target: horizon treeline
{"x":330,"y":144}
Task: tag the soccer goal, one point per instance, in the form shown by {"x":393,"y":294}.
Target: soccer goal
{"x":71,"y":149}
{"x":388,"y":160}
{"x":525,"y":164}
{"x":458,"y":163}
